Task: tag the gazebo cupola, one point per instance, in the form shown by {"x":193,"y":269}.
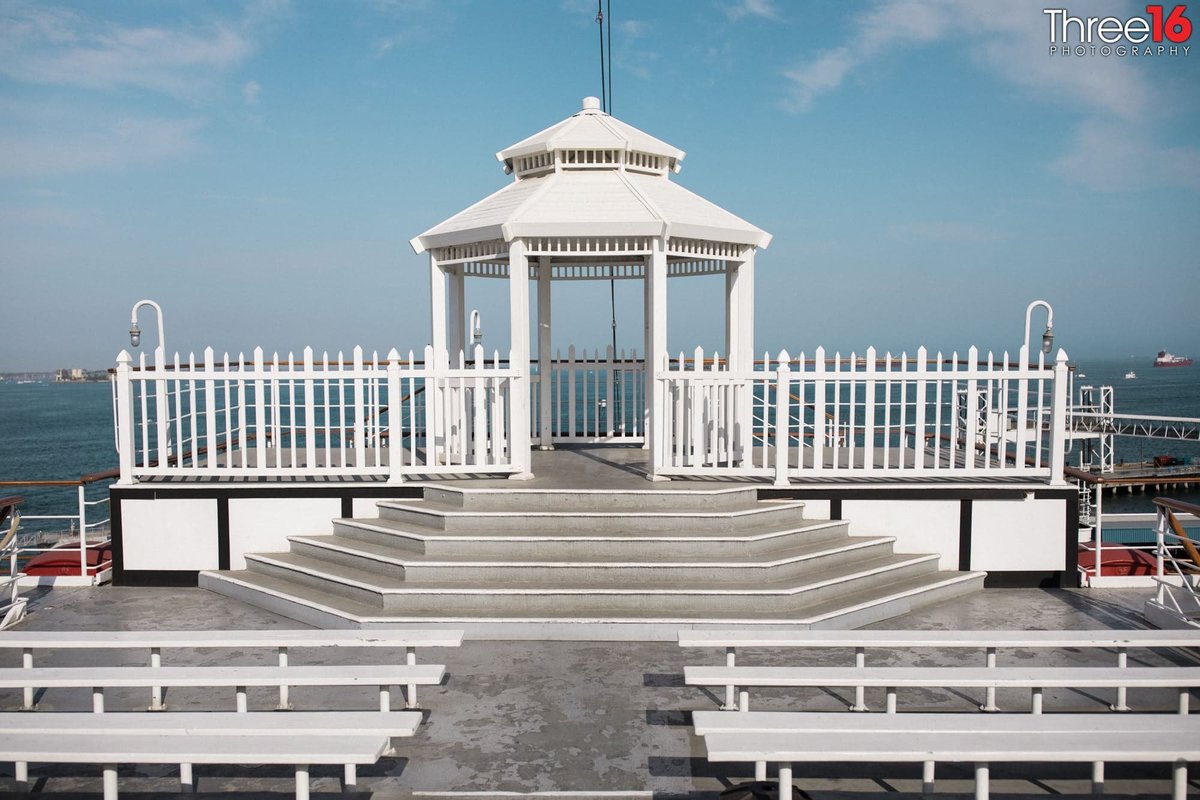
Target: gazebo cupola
{"x":591,"y":199}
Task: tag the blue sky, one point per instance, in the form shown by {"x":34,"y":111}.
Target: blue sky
{"x":925,"y":166}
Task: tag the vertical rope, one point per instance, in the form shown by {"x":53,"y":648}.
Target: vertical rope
{"x":608,"y":13}
{"x":600,"y":27}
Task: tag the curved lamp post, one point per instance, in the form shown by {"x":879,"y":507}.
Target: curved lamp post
{"x":135,"y":333}
{"x":1048,"y":336}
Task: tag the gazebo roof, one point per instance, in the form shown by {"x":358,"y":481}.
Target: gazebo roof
{"x":591,"y":175}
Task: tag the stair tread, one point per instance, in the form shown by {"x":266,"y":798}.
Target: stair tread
{"x":780,"y":610}
{"x":394,"y":556}
{"x":397,"y":585}
{"x":616,"y":532}
{"x":750,"y":510}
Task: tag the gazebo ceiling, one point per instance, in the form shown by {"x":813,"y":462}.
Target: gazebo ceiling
{"x":591,"y":176}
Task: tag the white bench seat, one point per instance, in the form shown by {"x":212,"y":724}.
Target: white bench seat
{"x":225,"y":723}
{"x":981,"y":747}
{"x":892,"y":678}
{"x":706,"y":722}
{"x":938,"y":639}
{"x":282,"y":641}
{"x":237,"y":676}
{"x":110,"y":749}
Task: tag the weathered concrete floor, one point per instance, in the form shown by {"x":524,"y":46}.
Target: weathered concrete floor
{"x":596,"y":719}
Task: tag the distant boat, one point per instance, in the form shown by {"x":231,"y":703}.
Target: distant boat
{"x":1131,"y":375}
{"x":1165,"y":359}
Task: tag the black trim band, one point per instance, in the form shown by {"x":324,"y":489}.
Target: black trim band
{"x":965,"y":510}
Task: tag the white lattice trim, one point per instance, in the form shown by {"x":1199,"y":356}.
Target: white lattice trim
{"x":729,"y":251}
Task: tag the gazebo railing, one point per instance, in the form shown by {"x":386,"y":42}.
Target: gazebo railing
{"x":332,"y":417}
{"x":869,"y":416}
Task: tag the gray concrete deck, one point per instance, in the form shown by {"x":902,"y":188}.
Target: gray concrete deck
{"x":580,"y":719}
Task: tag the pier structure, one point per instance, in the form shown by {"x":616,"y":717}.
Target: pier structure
{"x":799,"y":487}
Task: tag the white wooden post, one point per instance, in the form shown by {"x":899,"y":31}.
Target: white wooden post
{"x":545,"y":357}
{"x":162,"y":409}
{"x":1058,"y":421}
{"x":518,"y":311}
{"x":395,"y":419}
{"x":656,"y":353}
{"x":125,"y":425}
{"x":819,"y":421}
{"x":457,"y":299}
{"x":434,"y":389}
{"x":783,"y":425}
{"x":742,"y":359}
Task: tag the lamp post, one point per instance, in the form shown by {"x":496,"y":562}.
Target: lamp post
{"x":476,"y":327}
{"x":135,"y":333}
{"x":1048,"y":336}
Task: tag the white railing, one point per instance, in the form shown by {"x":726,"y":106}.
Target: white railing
{"x":65,"y":534}
{"x":313,"y":416}
{"x":1176,"y":601}
{"x":865,"y":416}
{"x":593,"y":398}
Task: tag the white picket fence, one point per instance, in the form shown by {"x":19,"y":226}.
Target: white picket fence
{"x":383,"y":418}
{"x":867,"y":416}
{"x":599,"y":397}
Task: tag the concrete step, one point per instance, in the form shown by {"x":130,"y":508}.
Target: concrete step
{"x":673,"y":564}
{"x":570,"y":599}
{"x":591,"y":500}
{"x":617,"y":542}
{"x":430,"y":514}
{"x":332,"y":611}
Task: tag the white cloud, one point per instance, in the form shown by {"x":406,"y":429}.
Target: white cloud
{"x":1114,"y":156}
{"x":752,"y":8}
{"x":251,"y":91}
{"x":60,"y":47}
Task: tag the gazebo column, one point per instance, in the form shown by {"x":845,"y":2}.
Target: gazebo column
{"x":739,"y":343}
{"x":545,"y":356}
{"x":437,"y":317}
{"x":656,"y":350}
{"x":457,"y":305}
{"x":518,"y":397}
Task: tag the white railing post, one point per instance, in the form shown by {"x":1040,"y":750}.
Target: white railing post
{"x":1160,"y":530}
{"x":395,"y":419}
{"x":783,"y":423}
{"x":81,"y":499}
{"x":162,"y":410}
{"x":125,"y":424}
{"x":1058,"y":419}
{"x":481,"y":444}
{"x":310,"y":412}
{"x":819,"y":421}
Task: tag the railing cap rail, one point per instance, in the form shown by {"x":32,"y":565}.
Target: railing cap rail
{"x":1177,"y":505}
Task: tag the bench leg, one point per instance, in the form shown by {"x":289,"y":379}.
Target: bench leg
{"x":1036,"y":700}
{"x":760,"y":770}
{"x":1122,"y":663}
{"x":98,"y":699}
{"x":242,"y":704}
{"x":302,"y":782}
{"x":187,"y":781}
{"x":989,"y":702}
{"x":410,"y":658}
{"x":744,"y":700}
{"x":27,"y":663}
{"x":156,"y":703}
{"x":350,"y":778}
{"x":385,"y":698}
{"x":110,"y":782}
{"x":1180,"y":781}
{"x":891,"y":700}
{"x":981,"y":781}
{"x":860,"y":700}
{"x":927,"y":777}
{"x":785,"y":782}
{"x":1183,"y":701}
{"x":1097,"y":777}
{"x":730,"y":690}
{"x":285,"y":703}
{"x":21,"y":775}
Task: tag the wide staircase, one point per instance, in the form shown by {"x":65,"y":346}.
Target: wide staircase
{"x":545,"y":563}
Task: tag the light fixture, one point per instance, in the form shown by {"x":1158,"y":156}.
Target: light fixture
{"x":1048,"y":340}
{"x":135,"y":335}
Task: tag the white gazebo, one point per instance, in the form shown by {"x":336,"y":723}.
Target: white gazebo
{"x":591,"y":199}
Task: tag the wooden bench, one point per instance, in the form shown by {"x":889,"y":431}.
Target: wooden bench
{"x":212,"y":723}
{"x":891,"y":679}
{"x":283,"y":641}
{"x":1068,"y":725}
{"x":987,"y":641}
{"x":982,"y":747}
{"x":239,"y":677}
{"x":113,"y":749}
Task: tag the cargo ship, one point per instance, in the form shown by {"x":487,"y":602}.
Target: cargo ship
{"x":1165,"y":359}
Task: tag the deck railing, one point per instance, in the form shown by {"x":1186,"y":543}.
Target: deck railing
{"x":1177,"y":558}
{"x":599,"y":397}
{"x":868,"y":416}
{"x":327,"y":416}
{"x":74,"y":533}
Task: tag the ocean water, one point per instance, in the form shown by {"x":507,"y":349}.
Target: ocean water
{"x":62,"y":431}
